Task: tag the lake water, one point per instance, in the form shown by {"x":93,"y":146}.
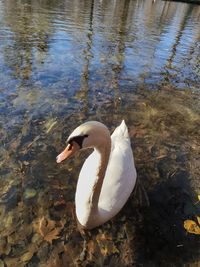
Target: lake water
{"x":65,"y":62}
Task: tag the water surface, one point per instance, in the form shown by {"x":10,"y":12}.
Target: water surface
{"x":66,"y":62}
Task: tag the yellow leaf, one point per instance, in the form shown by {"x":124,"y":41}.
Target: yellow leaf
{"x":198,"y":220}
{"x":108,"y":248}
{"x":91,"y":246}
{"x":198,"y":197}
{"x":103,"y":237}
{"x":192,"y":227}
{"x":27,"y":256}
{"x":104,"y":250}
{"x":115,"y":249}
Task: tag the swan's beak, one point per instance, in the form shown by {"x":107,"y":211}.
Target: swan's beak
{"x":69,"y":151}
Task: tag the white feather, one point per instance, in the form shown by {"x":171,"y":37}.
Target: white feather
{"x":118,"y":182}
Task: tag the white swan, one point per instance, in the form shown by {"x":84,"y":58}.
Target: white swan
{"x":108,"y":175}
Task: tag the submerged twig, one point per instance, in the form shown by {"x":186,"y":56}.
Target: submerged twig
{"x":34,"y":140}
{"x":51,"y":126}
{"x":152,"y":159}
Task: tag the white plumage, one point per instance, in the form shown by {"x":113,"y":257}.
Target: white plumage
{"x":108,"y":175}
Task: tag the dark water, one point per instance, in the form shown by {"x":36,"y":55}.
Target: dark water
{"x":64,"y":62}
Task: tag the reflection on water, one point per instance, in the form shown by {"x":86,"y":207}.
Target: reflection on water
{"x":64,"y":62}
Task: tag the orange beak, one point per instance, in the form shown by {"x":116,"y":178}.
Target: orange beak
{"x":69,"y":151}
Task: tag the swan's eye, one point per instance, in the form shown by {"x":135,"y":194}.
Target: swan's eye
{"x":78,"y":139}
{"x":70,"y":147}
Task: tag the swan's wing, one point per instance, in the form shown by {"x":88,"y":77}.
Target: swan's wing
{"x":120,"y":176}
{"x":120,"y":131}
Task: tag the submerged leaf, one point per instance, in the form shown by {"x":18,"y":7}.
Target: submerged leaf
{"x":45,"y":226}
{"x":27,"y":256}
{"x":107,"y":246}
{"x":192,"y":227}
{"x":49,"y":229}
{"x":54,"y":234}
{"x":30,"y":193}
{"x":12,"y":262}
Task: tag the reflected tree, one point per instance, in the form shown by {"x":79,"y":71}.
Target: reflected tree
{"x":30,"y":31}
{"x":87,"y":55}
{"x":182,"y":25}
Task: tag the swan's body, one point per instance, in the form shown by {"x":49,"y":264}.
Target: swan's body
{"x":108,"y":175}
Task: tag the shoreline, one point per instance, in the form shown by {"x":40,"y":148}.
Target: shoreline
{"x":195,"y":2}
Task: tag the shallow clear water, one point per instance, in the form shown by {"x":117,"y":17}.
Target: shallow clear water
{"x":65,"y":62}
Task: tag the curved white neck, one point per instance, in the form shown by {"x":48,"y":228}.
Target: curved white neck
{"x":104,"y":154}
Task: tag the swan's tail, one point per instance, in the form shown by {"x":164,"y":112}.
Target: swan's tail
{"x":121,"y":130}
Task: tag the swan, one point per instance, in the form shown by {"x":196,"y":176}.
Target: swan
{"x":108,"y":175}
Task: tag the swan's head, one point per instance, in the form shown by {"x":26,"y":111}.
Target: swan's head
{"x":87,"y":135}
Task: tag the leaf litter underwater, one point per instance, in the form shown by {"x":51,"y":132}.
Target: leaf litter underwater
{"x":38,"y":224}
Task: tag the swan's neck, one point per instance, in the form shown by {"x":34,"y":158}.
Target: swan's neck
{"x":104,"y":154}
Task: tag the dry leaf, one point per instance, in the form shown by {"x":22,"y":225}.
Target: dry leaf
{"x":45,"y":226}
{"x":103,"y":237}
{"x":54,"y":234}
{"x":32,"y":248}
{"x":108,"y":249}
{"x":91,"y":246}
{"x":104,"y":250}
{"x":114,"y":249}
{"x":12,"y":262}
{"x":49,"y":229}
{"x":107,"y":246}
{"x":198,"y":220}
{"x":27,"y":256}
{"x":192,"y":227}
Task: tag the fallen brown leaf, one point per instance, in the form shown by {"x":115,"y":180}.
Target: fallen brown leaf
{"x":192,"y":227}
{"x":49,"y":229}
